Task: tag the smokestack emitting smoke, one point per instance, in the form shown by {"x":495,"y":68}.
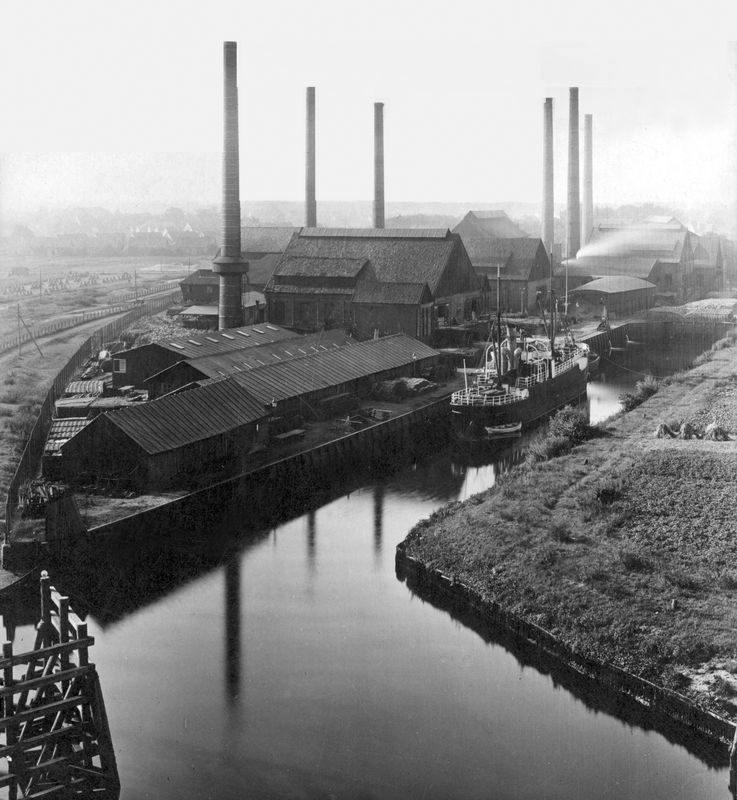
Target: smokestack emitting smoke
{"x":310,"y":201}
{"x":573,"y":226}
{"x":228,"y":263}
{"x":587,"y":217}
{"x":378,"y":165}
{"x":548,"y":235}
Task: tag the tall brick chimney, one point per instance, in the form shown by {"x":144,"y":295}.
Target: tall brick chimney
{"x":379,"y":221}
{"x":310,"y":201}
{"x":573,"y":225}
{"x":548,"y":217}
{"x":228,"y":263}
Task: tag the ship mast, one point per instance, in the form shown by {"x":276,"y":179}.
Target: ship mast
{"x":498,"y":325}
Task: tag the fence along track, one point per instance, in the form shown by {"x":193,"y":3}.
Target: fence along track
{"x":57,"y":738}
{"x":31,"y":457}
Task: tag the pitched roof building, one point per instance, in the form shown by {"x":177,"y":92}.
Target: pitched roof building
{"x":323,"y":274}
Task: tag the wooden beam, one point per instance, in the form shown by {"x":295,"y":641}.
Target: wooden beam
{"x":54,"y":649}
{"x":43,"y":711}
{"x":42,"y":680}
{"x":74,"y":731}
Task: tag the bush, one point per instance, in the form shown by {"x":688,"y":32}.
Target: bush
{"x":570,"y":423}
{"x":643,"y":390}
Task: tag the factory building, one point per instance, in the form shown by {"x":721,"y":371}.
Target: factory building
{"x":200,"y":434}
{"x":323,"y":271}
{"x":523,"y":268}
{"x":658,"y":250}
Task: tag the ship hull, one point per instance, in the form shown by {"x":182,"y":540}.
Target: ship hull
{"x":471,"y":421}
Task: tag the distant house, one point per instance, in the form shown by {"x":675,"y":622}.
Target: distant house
{"x":150,"y":243}
{"x":708,"y":265}
{"x":486,"y":225}
{"x":187,"y":242}
{"x":201,"y":287}
{"x":345,"y":277}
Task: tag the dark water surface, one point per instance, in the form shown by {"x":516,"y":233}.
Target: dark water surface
{"x":293,"y":663}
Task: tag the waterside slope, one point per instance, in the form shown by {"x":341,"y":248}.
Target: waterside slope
{"x":625,"y":550}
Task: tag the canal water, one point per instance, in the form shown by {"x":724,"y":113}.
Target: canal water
{"x":292,"y":663}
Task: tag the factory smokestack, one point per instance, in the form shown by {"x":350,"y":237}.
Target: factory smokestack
{"x":228,"y":263}
{"x":573,"y":226}
{"x":310,"y":201}
{"x":548,"y":235}
{"x":379,"y":165}
{"x":587,"y":216}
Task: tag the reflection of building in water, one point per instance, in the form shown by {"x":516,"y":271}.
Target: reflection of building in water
{"x":378,"y":517}
{"x":233,"y":627}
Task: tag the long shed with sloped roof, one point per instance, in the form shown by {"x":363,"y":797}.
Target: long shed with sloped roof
{"x":204,"y":433}
{"x":222,"y":365}
{"x":302,"y":384}
{"x":132,"y":367}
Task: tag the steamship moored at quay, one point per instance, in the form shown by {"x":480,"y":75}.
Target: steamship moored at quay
{"x":543,"y":379}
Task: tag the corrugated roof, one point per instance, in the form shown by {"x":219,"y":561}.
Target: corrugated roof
{"x":321,"y":371}
{"x":94,"y":387}
{"x":614,"y":284}
{"x":202,"y":344}
{"x":395,"y":255}
{"x":180,"y":419}
{"x":199,"y":311}
{"x":225,"y":364}
{"x":390,"y":293}
{"x":62,"y":430}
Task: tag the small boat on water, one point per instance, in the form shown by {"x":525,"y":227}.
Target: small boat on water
{"x":501,"y":431}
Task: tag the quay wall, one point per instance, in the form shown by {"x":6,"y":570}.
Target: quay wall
{"x":287,"y":486}
{"x":657,"y":699}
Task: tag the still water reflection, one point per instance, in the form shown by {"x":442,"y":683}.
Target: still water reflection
{"x":292,"y":663}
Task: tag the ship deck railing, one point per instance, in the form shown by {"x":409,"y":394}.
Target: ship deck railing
{"x":470,"y":397}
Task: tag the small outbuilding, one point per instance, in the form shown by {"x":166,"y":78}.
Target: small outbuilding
{"x":620,"y":294}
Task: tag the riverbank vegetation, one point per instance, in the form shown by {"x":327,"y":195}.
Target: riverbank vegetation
{"x":620,"y":543}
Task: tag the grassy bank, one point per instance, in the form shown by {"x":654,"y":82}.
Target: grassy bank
{"x":621,"y":543}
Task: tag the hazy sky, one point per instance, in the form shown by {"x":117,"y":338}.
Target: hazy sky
{"x":120,"y":104}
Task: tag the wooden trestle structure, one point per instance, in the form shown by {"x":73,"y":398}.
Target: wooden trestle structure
{"x":57,"y":739}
